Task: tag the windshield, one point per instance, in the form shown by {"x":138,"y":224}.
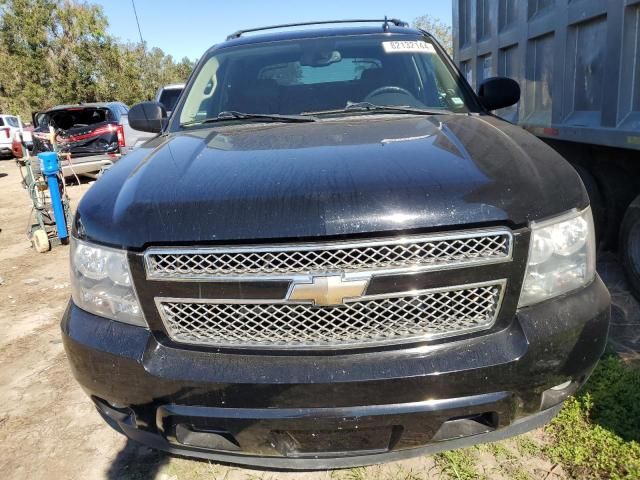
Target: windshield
{"x":312,"y":76}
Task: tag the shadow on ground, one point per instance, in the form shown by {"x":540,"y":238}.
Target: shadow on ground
{"x":624,"y":333}
{"x":137,"y":462}
{"x":614,"y":386}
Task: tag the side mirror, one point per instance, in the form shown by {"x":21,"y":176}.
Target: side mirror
{"x":498,"y":92}
{"x":147,"y":117}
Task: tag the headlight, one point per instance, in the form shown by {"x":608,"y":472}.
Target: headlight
{"x":561,"y":257}
{"x":101,"y":283}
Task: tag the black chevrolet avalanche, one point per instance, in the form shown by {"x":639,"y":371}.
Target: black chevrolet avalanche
{"x":331,"y":255}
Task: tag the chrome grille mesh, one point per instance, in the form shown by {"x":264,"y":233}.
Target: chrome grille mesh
{"x":340,"y":256}
{"x":425,"y":315}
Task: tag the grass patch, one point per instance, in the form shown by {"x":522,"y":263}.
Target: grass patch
{"x":499,"y":451}
{"x":508,"y":461}
{"x":527,"y":446}
{"x":595,"y":434}
{"x":358,"y":473}
{"x":615,"y":389}
{"x":458,"y":464}
{"x":374,"y":473}
{"x":191,"y":470}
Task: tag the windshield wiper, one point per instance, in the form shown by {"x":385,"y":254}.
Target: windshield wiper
{"x":232,"y":115}
{"x":372,"y":107}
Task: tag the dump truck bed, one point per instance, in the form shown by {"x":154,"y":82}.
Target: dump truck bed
{"x":578,"y":64}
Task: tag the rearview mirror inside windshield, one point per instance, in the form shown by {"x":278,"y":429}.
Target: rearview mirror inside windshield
{"x":320,"y":58}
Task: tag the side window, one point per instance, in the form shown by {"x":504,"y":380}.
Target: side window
{"x":1,"y":122}
{"x":113,"y":113}
{"x":201,"y":93}
{"x":12,"y":122}
{"x":439,"y":88}
{"x":42,"y":120}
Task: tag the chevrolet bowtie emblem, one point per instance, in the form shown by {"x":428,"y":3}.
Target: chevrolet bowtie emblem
{"x":328,"y":290}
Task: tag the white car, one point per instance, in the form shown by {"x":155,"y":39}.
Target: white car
{"x":10,"y":125}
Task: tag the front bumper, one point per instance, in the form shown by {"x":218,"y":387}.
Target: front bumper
{"x":86,"y":165}
{"x":6,"y":150}
{"x":307,"y":411}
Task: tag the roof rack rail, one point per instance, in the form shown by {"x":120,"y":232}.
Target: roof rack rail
{"x":385,"y":25}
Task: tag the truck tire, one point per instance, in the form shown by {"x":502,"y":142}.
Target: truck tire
{"x":630,"y":246}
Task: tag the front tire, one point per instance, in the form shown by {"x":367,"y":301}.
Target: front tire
{"x":630,"y":246}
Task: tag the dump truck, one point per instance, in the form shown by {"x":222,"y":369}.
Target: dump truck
{"x":578,"y":66}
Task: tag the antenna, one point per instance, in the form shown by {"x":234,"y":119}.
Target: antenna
{"x":135,"y":12}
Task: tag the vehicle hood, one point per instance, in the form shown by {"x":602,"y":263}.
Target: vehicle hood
{"x":336,"y":177}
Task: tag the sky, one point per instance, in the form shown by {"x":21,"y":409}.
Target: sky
{"x":189,"y":27}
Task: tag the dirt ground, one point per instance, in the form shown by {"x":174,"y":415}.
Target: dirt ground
{"x":49,"y":428}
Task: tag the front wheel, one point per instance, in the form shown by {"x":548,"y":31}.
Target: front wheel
{"x":630,"y":246}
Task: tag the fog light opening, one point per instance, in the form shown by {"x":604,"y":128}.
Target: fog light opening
{"x":466,"y":426}
{"x":558,"y":393}
{"x":562,"y":386}
{"x":119,"y":414}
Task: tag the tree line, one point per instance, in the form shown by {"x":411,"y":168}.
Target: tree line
{"x":54,"y":52}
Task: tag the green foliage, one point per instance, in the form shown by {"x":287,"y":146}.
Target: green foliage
{"x":594,"y":434}
{"x":458,"y":464}
{"x":615,"y":390}
{"x":55,"y":52}
{"x":499,"y":451}
{"x":508,"y":460}
{"x":526,"y":446}
{"x":356,"y":474}
{"x":436,"y":27}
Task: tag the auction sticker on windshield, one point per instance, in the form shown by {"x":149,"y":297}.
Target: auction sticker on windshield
{"x":408,"y":46}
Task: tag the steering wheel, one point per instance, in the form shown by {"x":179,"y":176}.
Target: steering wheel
{"x":389,"y":89}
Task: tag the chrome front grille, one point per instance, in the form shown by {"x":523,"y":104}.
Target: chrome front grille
{"x":418,"y":251}
{"x":327,"y":304}
{"x":369,"y":320}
